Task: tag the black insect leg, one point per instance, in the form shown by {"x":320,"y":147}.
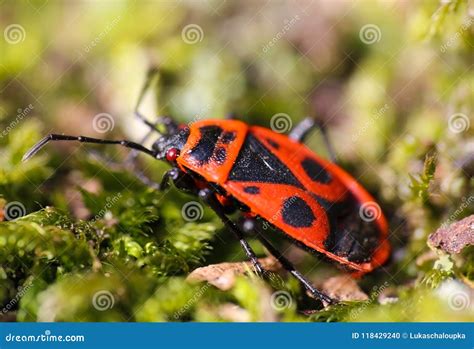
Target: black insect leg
{"x":304,"y":127}
{"x":250,"y":226}
{"x":207,"y":196}
{"x":151,"y":75}
{"x":169,"y":124}
{"x":292,"y":270}
{"x":172,"y":174}
{"x":329,"y":146}
{"x":82,"y":139}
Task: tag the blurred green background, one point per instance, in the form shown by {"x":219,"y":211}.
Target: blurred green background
{"x":391,"y":80}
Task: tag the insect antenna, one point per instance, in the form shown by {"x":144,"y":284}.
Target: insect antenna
{"x":56,"y":137}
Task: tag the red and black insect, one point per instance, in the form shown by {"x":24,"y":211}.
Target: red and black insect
{"x":272,"y":178}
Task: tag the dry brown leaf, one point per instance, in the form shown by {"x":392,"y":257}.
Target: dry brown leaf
{"x":343,"y":288}
{"x":223,"y":275}
{"x":453,"y":238}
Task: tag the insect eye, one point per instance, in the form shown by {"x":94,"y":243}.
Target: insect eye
{"x":172,"y":154}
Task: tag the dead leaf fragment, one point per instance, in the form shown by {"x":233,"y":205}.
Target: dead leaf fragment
{"x":223,"y":275}
{"x":343,"y":288}
{"x":453,"y":238}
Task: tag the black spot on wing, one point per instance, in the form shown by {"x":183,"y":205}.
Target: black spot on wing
{"x":315,"y":171}
{"x":227,"y":137}
{"x":220,"y":155}
{"x":204,"y":149}
{"x":252,"y":190}
{"x":297,"y":213}
{"x":256,"y":163}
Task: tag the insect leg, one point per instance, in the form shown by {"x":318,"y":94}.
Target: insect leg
{"x":292,"y":270}
{"x":210,"y":199}
{"x":170,"y":125}
{"x":151,"y":75}
{"x":82,"y":139}
{"x":304,"y":127}
{"x":172,"y":174}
